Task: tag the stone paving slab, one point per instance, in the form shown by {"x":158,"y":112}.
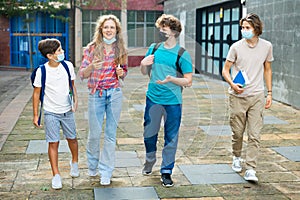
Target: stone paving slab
{"x":189,"y":192}
{"x":273,"y":120}
{"x":139,"y":107}
{"x":123,"y":158}
{"x":249,"y":191}
{"x":214,"y":96}
{"x":127,"y":159}
{"x":292,"y":153}
{"x":211,"y":174}
{"x":132,"y":193}
{"x":22,"y":175}
{"x":199,"y":86}
{"x":224,"y":130}
{"x":11,"y":113}
{"x":216,"y":130}
{"x":41,"y":146}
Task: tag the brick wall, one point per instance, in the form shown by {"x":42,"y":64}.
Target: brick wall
{"x":131,"y":5}
{"x":4,"y":41}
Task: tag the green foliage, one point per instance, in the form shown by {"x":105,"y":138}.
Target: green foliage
{"x":10,"y":8}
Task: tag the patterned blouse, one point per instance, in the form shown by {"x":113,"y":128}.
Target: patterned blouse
{"x":105,"y":77}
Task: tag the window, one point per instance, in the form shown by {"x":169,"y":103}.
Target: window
{"x":141,"y":27}
{"x":216,"y":34}
{"x":141,"y":30}
{"x":89,"y":20}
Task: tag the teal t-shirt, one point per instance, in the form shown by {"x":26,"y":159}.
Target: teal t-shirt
{"x":165,"y":64}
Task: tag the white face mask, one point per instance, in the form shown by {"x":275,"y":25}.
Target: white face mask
{"x":60,"y":57}
{"x":247,"y":34}
{"x":107,"y":41}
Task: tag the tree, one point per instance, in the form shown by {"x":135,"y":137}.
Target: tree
{"x":10,"y":8}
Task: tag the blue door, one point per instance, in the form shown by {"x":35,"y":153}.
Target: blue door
{"x":26,"y":33}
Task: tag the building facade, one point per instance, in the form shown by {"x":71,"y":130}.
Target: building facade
{"x":210,"y":27}
{"x":138,"y":23}
{"x":20,"y":36}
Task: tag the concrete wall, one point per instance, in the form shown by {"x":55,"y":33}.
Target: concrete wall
{"x":281,"y":27}
{"x":177,"y":7}
{"x":78,"y":38}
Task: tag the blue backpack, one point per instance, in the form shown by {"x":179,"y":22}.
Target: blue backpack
{"x":43,"y":81}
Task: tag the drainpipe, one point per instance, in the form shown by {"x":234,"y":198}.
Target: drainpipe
{"x":72,"y":36}
{"x":29,"y":41}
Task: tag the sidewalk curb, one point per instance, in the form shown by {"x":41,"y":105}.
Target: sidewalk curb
{"x":12,"y":112}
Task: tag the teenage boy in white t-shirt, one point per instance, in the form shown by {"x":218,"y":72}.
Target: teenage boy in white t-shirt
{"x":253,"y":55}
{"x":58,"y":110}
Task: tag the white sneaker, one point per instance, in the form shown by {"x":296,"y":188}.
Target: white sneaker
{"x":92,"y":172}
{"x":74,"y":172}
{"x":250,"y":175}
{"x":236,"y":164}
{"x":56,"y":182}
{"x":105,"y":181}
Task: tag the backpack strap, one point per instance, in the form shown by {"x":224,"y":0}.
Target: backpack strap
{"x":153,"y":51}
{"x":42,"y":94}
{"x":155,"y":47}
{"x":71,"y":91}
{"x":69,"y":75}
{"x":178,"y":68}
{"x":179,"y":73}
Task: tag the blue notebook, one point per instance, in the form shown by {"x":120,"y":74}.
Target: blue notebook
{"x":241,"y":78}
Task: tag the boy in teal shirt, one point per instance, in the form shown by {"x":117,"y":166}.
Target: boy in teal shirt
{"x":164,"y":96}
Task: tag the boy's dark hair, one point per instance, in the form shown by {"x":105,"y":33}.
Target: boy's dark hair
{"x":48,"y":46}
{"x":254,"y":21}
{"x":169,"y":21}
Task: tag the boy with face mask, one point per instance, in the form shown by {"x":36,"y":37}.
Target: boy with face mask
{"x":58,"y":110}
{"x":253,"y":55}
{"x":164,"y":97}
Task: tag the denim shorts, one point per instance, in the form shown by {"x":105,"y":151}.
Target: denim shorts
{"x":53,"y":122}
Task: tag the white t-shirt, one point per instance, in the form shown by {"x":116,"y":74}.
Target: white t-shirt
{"x":251,"y":60}
{"x":56,"y":98}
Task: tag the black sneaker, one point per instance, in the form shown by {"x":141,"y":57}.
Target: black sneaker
{"x":166,"y":180}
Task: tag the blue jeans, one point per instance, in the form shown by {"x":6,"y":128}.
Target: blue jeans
{"x":109,"y":104}
{"x":152,"y":120}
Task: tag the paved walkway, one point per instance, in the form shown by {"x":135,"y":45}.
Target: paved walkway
{"x":203,"y":159}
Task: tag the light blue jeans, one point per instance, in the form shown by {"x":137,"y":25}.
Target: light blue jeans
{"x":110,"y":105}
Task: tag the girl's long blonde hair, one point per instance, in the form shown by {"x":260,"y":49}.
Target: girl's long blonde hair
{"x":120,"y":51}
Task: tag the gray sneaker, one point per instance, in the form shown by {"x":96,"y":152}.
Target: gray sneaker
{"x":147,"y":170}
